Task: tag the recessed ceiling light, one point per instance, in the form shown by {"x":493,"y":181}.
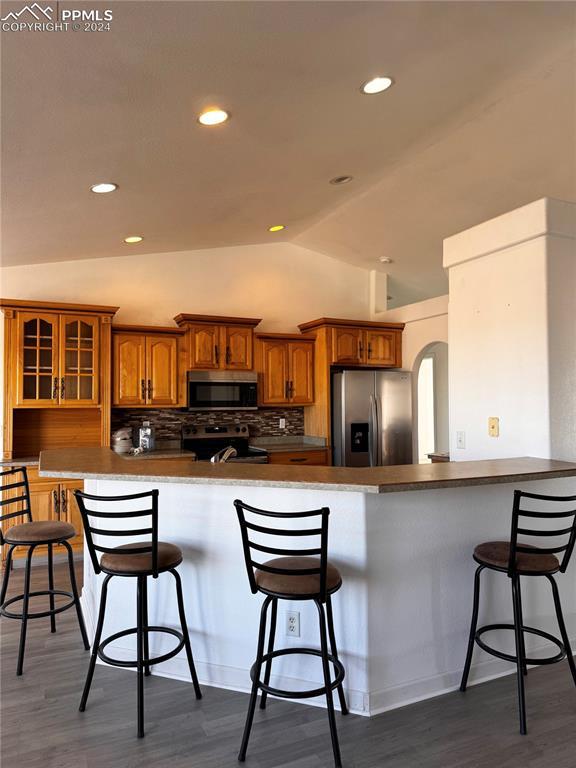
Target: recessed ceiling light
{"x":104,"y":187}
{"x":337,"y":180}
{"x":133,"y":239}
{"x":377,"y":85}
{"x":213,"y":117}
{"x":277,"y":228}
{"x":386,"y":260}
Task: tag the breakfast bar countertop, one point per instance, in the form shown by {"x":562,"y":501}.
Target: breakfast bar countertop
{"x":104,"y":464}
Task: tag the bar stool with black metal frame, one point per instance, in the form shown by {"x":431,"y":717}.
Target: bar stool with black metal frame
{"x":516,"y":560}
{"x":137,"y":560}
{"x":298,"y":574}
{"x":32,"y":534}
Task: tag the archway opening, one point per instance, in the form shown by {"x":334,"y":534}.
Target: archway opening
{"x":431,"y":393}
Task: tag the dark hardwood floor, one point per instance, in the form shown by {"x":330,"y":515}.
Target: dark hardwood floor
{"x":42,"y":728}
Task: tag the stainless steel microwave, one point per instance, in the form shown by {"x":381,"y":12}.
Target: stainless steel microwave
{"x":222,"y":391}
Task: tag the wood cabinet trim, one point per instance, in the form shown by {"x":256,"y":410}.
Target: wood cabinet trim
{"x":58,"y":307}
{"x":148,"y":329}
{"x":184,"y":319}
{"x":338,"y":322}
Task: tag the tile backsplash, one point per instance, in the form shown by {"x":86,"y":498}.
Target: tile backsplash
{"x":168,"y":421}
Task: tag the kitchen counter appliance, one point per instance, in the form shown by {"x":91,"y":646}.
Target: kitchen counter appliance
{"x":222,"y":391}
{"x":207,"y":441}
{"x":371,"y":418}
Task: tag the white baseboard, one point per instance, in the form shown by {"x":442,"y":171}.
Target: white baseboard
{"x":359,"y":702}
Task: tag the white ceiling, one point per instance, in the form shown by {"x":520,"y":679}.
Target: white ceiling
{"x":481,"y":119}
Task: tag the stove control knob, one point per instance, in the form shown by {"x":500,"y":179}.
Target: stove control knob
{"x":243,"y":429}
{"x":238,"y":429}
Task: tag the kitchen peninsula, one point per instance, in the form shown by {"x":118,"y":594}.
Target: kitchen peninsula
{"x":402,"y":537}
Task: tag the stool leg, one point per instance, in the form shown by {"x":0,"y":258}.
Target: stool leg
{"x":145,"y":626}
{"x":7,"y":569}
{"x":140,"y":654}
{"x":521,"y":614}
{"x":95,"y":644}
{"x":185,"y":633}
{"x":332,"y":636}
{"x":562,"y":625}
{"x":25,"y":604}
{"x":76,"y":595}
{"x":519,"y":653}
{"x":51,"y":587}
{"x":327,"y":684}
{"x":256,"y":680}
{"x":473,"y":625}
{"x":271,"y":639}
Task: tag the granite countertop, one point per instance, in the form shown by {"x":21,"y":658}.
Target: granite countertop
{"x":104,"y":464}
{"x":29,"y":461}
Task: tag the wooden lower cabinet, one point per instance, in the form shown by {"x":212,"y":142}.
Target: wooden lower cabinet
{"x":317,"y":457}
{"x":50,"y":499}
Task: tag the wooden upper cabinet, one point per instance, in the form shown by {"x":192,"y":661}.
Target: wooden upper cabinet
{"x":129,"y":366}
{"x":347,"y":346}
{"x":361,"y":342}
{"x":381,"y":347}
{"x":36,"y":372}
{"x":301,"y":372}
{"x":79,"y":360}
{"x":204,"y":343}
{"x":162,"y":370}
{"x":145,"y":366}
{"x":215,"y":342}
{"x":57,"y":360}
{"x":274,"y":376}
{"x":286,"y":369}
{"x":237,"y":342}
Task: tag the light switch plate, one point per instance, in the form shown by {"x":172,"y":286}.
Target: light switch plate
{"x":460,"y":439}
{"x":494,"y":426}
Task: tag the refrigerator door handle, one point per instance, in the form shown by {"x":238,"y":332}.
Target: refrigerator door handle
{"x":372,"y":433}
{"x":379,"y":436}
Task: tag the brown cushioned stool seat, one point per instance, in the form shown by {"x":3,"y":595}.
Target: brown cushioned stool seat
{"x":496,"y":554}
{"x":169,"y":556}
{"x":287,"y":584}
{"x":39,"y":532}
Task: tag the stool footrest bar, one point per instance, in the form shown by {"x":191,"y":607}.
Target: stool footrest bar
{"x":283,"y":694}
{"x":38,"y":614}
{"x":146,"y":662}
{"x":560,"y":656}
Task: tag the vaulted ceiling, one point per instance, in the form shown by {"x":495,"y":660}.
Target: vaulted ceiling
{"x":481,"y":119}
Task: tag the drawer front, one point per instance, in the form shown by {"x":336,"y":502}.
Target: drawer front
{"x":313,"y":457}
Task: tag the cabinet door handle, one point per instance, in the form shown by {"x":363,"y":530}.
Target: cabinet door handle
{"x":62,"y":389}
{"x":298,"y":461}
{"x":56,"y":501}
{"x":217,"y":354}
{"x":360,"y":349}
{"x":55,"y":388}
{"x":143,"y":386}
{"x":369,"y":351}
{"x":149,"y":389}
{"x":290,"y":389}
{"x":286,"y":390}
{"x":64,"y":503}
{"x":228,"y":355}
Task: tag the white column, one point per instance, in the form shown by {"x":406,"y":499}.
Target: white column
{"x":512,"y":334}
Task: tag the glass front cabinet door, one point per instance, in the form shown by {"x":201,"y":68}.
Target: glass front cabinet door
{"x":78,"y":360}
{"x":57,"y":361}
{"x":37,"y":360}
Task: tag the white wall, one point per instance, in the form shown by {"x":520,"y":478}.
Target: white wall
{"x":512,"y":347}
{"x":284,"y":284}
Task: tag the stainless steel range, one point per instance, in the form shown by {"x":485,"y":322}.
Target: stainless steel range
{"x":210,"y":443}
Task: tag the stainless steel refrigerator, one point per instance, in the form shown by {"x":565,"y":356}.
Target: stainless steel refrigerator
{"x":371,"y":418}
